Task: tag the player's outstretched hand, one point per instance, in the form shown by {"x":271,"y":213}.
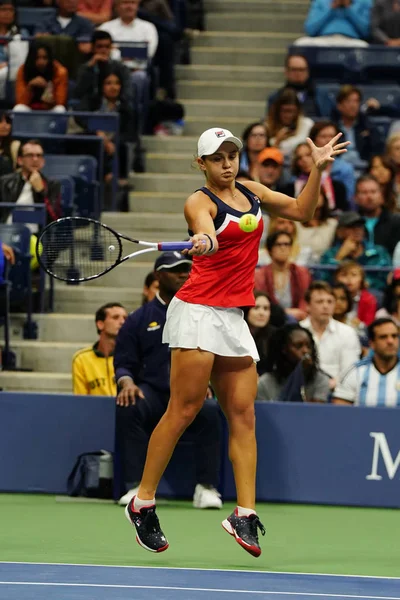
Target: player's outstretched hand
{"x":129,"y":393}
{"x":326,"y":154}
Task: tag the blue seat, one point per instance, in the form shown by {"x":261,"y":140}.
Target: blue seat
{"x":380,"y":64}
{"x":82,"y":170}
{"x":385,"y":93}
{"x":79,"y":165}
{"x":135,"y":51}
{"x":36,"y":214}
{"x":35,"y":123}
{"x":331,"y":89}
{"x":18,"y":236}
{"x":67,"y":195}
{"x":382,"y":124}
{"x":331,"y":64}
{"x":31,"y":18}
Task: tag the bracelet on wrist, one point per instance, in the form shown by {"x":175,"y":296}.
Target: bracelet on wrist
{"x":211,"y":243}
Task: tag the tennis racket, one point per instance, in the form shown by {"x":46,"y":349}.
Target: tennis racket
{"x":76,"y":249}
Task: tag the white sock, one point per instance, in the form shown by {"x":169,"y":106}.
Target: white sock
{"x":138,"y":503}
{"x":244,"y":512}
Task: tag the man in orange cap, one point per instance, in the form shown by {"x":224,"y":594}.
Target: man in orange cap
{"x":270,"y":165}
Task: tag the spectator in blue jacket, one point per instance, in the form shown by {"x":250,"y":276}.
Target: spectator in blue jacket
{"x":68,"y":22}
{"x":337,"y":23}
{"x":354,"y":246}
{"x":142,"y":365}
{"x":315,"y":101}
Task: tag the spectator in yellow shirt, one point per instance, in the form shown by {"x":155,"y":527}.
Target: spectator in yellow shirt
{"x":92,"y":367}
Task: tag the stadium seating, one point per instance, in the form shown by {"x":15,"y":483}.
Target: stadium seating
{"x":82,"y":170}
{"x":137,"y":51}
{"x":73,"y":165}
{"x":38,"y":122}
{"x":51,"y":129}
{"x":30,"y":18}
{"x":18,"y":236}
{"x":352,"y":65}
{"x":8,"y":357}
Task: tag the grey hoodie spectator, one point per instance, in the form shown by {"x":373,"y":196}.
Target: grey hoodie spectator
{"x":385,"y":22}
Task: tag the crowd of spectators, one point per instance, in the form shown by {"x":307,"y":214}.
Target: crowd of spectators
{"x":335,"y":275}
{"x":77,"y":58}
{"x":332,"y":276}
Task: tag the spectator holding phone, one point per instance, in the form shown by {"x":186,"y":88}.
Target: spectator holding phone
{"x":286,"y":123}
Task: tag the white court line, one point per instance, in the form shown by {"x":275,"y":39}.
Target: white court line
{"x":10,"y":562}
{"x":190,"y":589}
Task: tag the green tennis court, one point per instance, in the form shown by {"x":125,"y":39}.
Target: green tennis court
{"x":313,"y":539}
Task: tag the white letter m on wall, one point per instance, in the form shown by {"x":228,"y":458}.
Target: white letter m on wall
{"x":382,"y":447}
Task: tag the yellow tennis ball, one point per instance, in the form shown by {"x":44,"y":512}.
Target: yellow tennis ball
{"x":34,"y":260}
{"x":248,"y":223}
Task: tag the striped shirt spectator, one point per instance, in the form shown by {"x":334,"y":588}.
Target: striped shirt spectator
{"x":374,"y":381}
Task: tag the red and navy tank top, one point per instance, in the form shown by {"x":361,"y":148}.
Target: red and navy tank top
{"x":226,"y":278}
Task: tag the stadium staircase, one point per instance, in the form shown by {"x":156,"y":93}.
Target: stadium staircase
{"x":236,"y":63}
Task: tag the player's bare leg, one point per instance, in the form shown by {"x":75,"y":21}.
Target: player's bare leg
{"x":235,"y":383}
{"x":190,"y":376}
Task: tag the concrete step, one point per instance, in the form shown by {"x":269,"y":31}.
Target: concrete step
{"x":257,"y":7}
{"x":216,"y":72}
{"x":196,"y":125}
{"x":132,"y":272}
{"x":252,"y":91}
{"x":244,"y":57}
{"x":88,"y":298}
{"x":36,"y":382}
{"x":173,"y":144}
{"x":146,"y":221}
{"x":165,"y":182}
{"x":46,"y":356}
{"x":57,"y":327}
{"x":168,"y":162}
{"x":244,"y":39}
{"x":264,"y":21}
{"x":218,"y":108}
{"x":156,"y":202}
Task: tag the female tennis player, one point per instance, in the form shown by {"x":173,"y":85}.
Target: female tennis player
{"x":206,"y":331}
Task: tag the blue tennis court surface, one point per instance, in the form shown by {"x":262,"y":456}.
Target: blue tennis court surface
{"x":26,"y":581}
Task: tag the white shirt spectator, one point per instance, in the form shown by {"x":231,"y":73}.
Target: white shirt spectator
{"x":25,"y":198}
{"x":364,"y":385}
{"x":136,"y":31}
{"x":338,"y":347}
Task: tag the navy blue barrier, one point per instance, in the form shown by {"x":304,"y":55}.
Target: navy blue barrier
{"x":352,"y":65}
{"x":326,"y":454}
{"x":320,"y":454}
{"x":42,"y":435}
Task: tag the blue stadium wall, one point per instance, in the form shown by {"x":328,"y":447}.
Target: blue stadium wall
{"x":307,"y":453}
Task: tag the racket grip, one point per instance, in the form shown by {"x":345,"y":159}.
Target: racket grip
{"x":165,"y":246}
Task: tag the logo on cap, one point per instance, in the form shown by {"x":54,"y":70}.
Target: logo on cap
{"x":220,"y":134}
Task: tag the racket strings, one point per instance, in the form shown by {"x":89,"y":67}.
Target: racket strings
{"x":78,"y":249}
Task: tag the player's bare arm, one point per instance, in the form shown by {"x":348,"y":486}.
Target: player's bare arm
{"x":303,"y":207}
{"x":199,"y":215}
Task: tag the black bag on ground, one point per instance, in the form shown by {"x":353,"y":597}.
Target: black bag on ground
{"x":92,"y":476}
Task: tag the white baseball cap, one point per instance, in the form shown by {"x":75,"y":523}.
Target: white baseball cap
{"x":211,"y":140}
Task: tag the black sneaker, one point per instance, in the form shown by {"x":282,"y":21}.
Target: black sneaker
{"x":148,"y":531}
{"x":244,"y":530}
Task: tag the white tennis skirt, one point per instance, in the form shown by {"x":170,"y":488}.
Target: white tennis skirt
{"x":222,"y":331}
